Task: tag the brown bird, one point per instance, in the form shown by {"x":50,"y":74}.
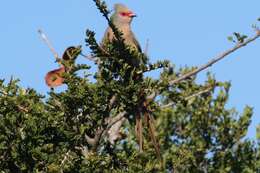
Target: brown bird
{"x":54,"y":78}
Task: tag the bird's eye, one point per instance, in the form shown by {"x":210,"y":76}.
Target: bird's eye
{"x":124,"y":14}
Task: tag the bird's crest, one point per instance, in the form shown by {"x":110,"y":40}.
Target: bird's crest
{"x":120,"y":8}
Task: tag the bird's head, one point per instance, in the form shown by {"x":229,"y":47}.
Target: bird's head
{"x":122,"y":14}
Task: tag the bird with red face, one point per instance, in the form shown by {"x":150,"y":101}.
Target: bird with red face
{"x":122,"y":19}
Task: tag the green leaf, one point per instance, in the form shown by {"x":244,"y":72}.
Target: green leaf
{"x":230,"y":38}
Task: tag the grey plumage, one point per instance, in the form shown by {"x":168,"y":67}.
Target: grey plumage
{"x":122,"y":19}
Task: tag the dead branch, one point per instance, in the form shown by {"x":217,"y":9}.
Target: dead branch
{"x":207,"y":90}
{"x":90,"y":57}
{"x":47,"y":41}
{"x":112,"y":101}
{"x":114,"y":132}
{"x":214,"y":60}
{"x":114,"y":126}
{"x":146,"y":47}
{"x":94,"y":141}
{"x":117,"y":118}
{"x":103,"y":131}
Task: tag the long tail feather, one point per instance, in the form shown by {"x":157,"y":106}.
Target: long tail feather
{"x":151,"y":129}
{"x":139,"y":131}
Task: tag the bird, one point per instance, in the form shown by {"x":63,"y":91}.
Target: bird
{"x":54,"y":78}
{"x":122,"y":19}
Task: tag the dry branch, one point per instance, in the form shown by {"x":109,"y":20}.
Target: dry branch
{"x":47,"y":41}
{"x":207,"y":90}
{"x":103,"y":131}
{"x":216,"y":59}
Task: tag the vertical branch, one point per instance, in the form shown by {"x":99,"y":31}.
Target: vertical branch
{"x":146,"y":47}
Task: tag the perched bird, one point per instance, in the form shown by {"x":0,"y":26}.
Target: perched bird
{"x":54,"y":78}
{"x":122,"y":19}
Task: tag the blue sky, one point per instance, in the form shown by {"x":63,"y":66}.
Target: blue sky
{"x":185,"y":32}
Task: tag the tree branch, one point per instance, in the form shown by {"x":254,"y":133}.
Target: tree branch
{"x":102,"y":131}
{"x":90,"y":57}
{"x":146,"y":47}
{"x":214,"y":60}
{"x":47,"y":41}
{"x":207,"y":90}
{"x":115,"y":126}
{"x":115,"y":119}
{"x":112,"y":101}
{"x":95,"y":140}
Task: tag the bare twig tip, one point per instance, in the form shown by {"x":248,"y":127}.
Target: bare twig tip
{"x":258,"y":31}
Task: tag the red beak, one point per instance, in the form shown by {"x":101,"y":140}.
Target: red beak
{"x":131,"y":14}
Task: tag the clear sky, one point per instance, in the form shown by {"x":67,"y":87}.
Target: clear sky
{"x":185,"y":32}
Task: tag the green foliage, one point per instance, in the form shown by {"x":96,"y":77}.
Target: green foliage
{"x":237,"y":38}
{"x":57,"y":132}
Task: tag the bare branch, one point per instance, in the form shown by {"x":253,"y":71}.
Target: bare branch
{"x":207,"y":90}
{"x":115,"y":119}
{"x":114,"y":132}
{"x":214,"y":60}
{"x":90,"y":57}
{"x":47,"y":41}
{"x":90,"y":141}
{"x":146,"y":47}
{"x":94,"y":141}
{"x":112,"y":101}
{"x":102,"y":131}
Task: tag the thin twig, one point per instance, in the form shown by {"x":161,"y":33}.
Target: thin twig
{"x":207,"y":90}
{"x":89,"y":57}
{"x":214,"y":60}
{"x":146,"y":47}
{"x":47,"y":41}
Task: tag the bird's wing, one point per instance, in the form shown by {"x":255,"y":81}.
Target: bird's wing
{"x":136,"y":43}
{"x":108,"y":37}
